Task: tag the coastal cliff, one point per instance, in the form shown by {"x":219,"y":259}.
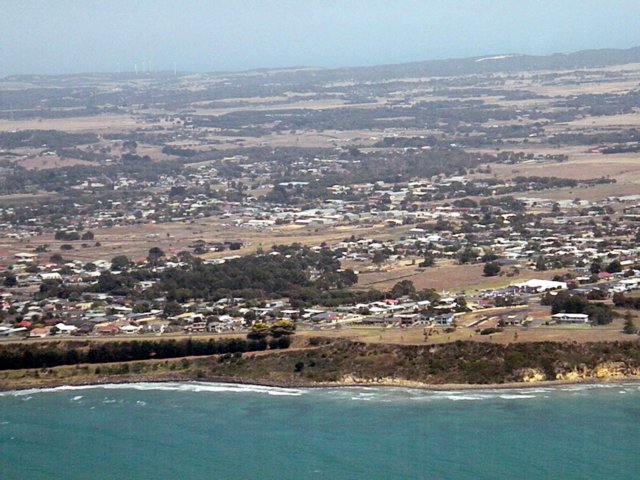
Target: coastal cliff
{"x":322,"y":362}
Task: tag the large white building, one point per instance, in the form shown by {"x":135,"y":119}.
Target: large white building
{"x":571,"y":318}
{"x":539,"y":286}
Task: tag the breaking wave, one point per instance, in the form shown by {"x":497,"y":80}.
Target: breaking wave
{"x":374,"y":393}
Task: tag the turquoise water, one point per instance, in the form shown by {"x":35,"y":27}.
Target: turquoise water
{"x":214,"y":431}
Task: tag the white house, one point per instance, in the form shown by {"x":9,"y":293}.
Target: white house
{"x":66,"y":329}
{"x":538,"y":286}
{"x":571,"y":318}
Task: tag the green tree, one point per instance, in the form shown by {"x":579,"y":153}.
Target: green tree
{"x":402,"y":288}
{"x":154,"y":256}
{"x":379,"y":257}
{"x":467,"y":255}
{"x":629,"y":327}
{"x":541,"y":263}
{"x":614,"y":266}
{"x":491,"y":269}
{"x":171,"y":309}
{"x":120,"y":263}
{"x":429,"y":261}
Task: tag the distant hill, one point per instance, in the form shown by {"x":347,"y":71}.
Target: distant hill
{"x":431,"y":68}
{"x":512,"y":62}
{"x":486,"y":64}
{"x":443,"y":68}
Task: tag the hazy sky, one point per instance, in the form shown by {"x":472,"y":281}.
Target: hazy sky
{"x":67,"y":36}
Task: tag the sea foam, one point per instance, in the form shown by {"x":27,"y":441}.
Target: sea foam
{"x":196,"y":387}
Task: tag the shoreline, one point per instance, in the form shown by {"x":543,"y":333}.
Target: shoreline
{"x":399,"y":384}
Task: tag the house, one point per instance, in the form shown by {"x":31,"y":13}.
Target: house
{"x":39,"y":332}
{"x":108,"y":329}
{"x":540,"y":286}
{"x":577,"y":318}
{"x":512,"y":320}
{"x":44,"y":276}
{"x":130,"y":329}
{"x":66,"y":329}
{"x":26,"y":257}
{"x":8,"y":331}
{"x":444,"y":319}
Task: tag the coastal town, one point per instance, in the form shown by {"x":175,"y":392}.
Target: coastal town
{"x":591,"y":247}
{"x":500,"y":218}
{"x":324,"y":240}
{"x":494,"y":205}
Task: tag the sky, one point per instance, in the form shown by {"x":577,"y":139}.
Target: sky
{"x":74,"y":36}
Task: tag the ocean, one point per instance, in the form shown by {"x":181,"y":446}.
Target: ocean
{"x":218,"y":431}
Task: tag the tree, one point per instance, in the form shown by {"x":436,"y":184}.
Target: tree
{"x":629,"y":327}
{"x":614,"y":266}
{"x":171,"y":309}
{"x":379,"y":257}
{"x":596,"y":267}
{"x":461,"y":304}
{"x":258,"y":330}
{"x":491,"y":269}
{"x":10,"y":280}
{"x":141,"y":308}
{"x":250,"y":316}
{"x":467,"y":255}
{"x":541,"y":263}
{"x":403,"y":288}
{"x":120,"y":263}
{"x":88,"y":235}
{"x":282,"y":327}
{"x":154,"y":256}
{"x":429,"y":261}
{"x":107,"y":282}
{"x":489,"y":257}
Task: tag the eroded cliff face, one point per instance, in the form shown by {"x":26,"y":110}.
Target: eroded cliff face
{"x":602,"y":371}
{"x":351,"y":379}
{"x":533,"y":375}
{"x":471,"y":364}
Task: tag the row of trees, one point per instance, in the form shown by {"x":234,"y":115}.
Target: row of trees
{"x":622,"y":301}
{"x":50,"y":354}
{"x":72,"y":236}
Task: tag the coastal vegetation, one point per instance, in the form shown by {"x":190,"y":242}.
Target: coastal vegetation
{"x":49,"y":354}
{"x":321,"y":361}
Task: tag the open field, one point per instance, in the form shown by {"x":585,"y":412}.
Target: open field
{"x":447,"y":276}
{"x":135,"y":241}
{"x":96,"y":124}
{"x":416,"y":335}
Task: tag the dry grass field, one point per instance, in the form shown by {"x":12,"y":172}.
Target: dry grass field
{"x":97,"y":124}
{"x":136,"y":240}
{"x":447,"y":276}
{"x":416,"y":335}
